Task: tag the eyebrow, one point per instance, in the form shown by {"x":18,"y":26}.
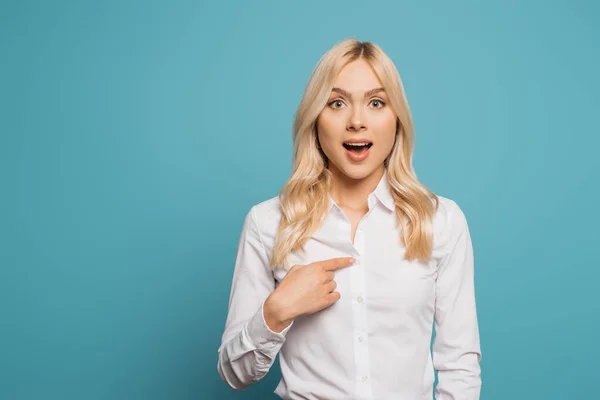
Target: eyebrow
{"x":367,"y":93}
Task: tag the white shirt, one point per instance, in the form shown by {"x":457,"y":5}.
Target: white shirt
{"x":374,"y":342}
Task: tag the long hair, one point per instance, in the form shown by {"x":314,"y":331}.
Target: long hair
{"x":305,"y":196}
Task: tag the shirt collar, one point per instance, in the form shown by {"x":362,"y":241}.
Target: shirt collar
{"x":383,"y":192}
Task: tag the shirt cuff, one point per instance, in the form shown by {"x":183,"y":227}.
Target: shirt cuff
{"x":262,"y":336}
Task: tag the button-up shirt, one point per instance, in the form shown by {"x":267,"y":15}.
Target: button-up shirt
{"x":375,"y":341}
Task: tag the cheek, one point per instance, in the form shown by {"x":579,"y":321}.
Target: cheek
{"x":329,"y":131}
{"x":328,"y":121}
{"x":386,"y":132}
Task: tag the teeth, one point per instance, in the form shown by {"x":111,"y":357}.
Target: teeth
{"x":357,"y":144}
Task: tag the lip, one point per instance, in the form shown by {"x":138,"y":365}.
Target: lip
{"x":357,"y":157}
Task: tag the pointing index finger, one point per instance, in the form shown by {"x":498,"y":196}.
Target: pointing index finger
{"x":333,"y":264}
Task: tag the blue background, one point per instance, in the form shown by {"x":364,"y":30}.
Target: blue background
{"x":136,"y":135}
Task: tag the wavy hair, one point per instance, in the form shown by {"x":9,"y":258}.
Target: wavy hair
{"x":305,"y":196}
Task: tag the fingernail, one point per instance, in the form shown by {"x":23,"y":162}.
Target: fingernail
{"x":352,"y":260}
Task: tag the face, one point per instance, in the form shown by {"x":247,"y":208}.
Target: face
{"x":356,"y":112}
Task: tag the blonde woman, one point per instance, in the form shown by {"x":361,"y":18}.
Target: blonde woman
{"x":346,"y":271}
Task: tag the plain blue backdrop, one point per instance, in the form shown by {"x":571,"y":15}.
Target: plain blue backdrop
{"x":136,"y":135}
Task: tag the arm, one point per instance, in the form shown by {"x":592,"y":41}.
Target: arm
{"x":456,"y":347}
{"x":248,"y":346}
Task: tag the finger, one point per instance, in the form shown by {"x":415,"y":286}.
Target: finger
{"x":336,"y":263}
{"x":333,"y":297}
{"x":331,"y":285}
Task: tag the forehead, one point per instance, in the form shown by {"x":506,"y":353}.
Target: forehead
{"x":357,"y":77}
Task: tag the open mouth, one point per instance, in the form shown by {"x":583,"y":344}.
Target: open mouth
{"x":358,"y":147}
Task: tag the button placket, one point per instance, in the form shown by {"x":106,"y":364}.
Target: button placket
{"x":359,"y":313}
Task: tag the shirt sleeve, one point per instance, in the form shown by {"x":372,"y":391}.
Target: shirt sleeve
{"x":456,"y":347}
{"x":248,"y":346}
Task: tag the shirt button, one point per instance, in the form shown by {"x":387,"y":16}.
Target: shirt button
{"x":360,"y":339}
{"x":359,"y":299}
{"x":364,"y":378}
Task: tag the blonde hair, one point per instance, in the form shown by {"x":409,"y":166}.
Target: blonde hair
{"x":305,"y":196}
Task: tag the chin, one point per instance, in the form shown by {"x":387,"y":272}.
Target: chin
{"x":358,"y":172}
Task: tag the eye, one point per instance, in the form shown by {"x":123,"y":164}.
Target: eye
{"x":380,"y":102}
{"x":335,"y":102}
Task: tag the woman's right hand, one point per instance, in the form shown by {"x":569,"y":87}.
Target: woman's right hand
{"x":305,"y":289}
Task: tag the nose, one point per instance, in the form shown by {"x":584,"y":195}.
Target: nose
{"x":356,"y":121}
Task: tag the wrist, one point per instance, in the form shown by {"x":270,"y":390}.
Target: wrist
{"x":276,"y":316}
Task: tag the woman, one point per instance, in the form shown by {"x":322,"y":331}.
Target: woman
{"x":346,"y":271}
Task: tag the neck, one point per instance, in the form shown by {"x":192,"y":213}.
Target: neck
{"x":353,"y":193}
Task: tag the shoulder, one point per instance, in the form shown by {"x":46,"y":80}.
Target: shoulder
{"x":267,"y":211}
{"x":266,"y":216}
{"x":448,"y":222}
{"x":449,"y":211}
